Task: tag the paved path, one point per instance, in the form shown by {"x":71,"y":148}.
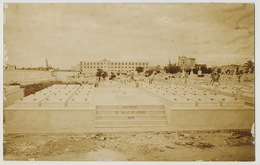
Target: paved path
{"x":123,"y":96}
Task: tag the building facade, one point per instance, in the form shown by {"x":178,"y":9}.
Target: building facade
{"x":186,"y":62}
{"x":112,"y":66}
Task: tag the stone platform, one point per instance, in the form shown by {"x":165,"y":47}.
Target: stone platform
{"x":77,"y":109}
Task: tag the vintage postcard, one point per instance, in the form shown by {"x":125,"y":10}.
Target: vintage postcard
{"x":129,"y":82}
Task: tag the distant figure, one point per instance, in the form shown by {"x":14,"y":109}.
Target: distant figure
{"x":238,"y":76}
{"x":183,"y":74}
{"x":215,"y":77}
{"x":199,"y":73}
{"x":191,"y":73}
{"x":151,"y":78}
{"x":132,"y":77}
{"x":186,"y":76}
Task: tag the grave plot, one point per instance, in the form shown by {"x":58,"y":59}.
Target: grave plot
{"x":227,"y":89}
{"x":60,"y":97}
{"x":222,"y":100}
{"x":207,"y":98}
{"x":52,"y":110}
{"x":238,"y":91}
{"x":171,"y":94}
{"x":34,"y":100}
{"x":248,"y":92}
{"x":82,"y":97}
{"x":192,"y":97}
{"x":202,"y":109}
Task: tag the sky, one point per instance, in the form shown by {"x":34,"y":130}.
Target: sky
{"x":65,"y":34}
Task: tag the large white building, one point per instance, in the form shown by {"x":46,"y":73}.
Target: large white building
{"x":112,"y":66}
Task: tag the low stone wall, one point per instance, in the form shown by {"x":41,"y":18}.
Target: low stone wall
{"x":63,"y":74}
{"x":11,"y":94}
{"x":24,"y":75}
{"x":48,"y":120}
{"x":212,"y":118}
{"x":83,"y":120}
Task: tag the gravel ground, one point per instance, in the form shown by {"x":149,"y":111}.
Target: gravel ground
{"x":223,"y":145}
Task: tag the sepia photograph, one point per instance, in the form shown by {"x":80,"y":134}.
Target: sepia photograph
{"x":129,"y":82}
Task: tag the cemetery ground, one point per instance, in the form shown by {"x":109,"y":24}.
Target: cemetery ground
{"x":214,"y":145}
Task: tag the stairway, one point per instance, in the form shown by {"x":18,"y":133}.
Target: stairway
{"x":130,"y":116}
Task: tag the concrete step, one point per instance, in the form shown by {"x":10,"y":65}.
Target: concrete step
{"x":133,"y":127}
{"x":129,"y":112}
{"x":129,"y":116}
{"x":130,"y":107}
{"x":120,"y":109}
{"x":130,"y":122}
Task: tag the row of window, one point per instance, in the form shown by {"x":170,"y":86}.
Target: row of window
{"x":111,"y":67}
{"x":115,"y":63}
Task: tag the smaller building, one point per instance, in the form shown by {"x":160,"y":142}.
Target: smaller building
{"x":186,"y":62}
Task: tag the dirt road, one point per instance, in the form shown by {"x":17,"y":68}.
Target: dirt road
{"x":228,"y":145}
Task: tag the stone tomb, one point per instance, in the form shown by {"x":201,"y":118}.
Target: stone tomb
{"x":196,"y":109}
{"x":58,"y":108}
{"x":83,"y":108}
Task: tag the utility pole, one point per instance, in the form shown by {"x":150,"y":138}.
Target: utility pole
{"x":47,"y":65}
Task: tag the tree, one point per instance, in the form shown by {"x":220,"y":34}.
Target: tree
{"x":99,"y":73}
{"x":112,"y":76}
{"x":172,"y":68}
{"x":249,"y":66}
{"x":139,"y":69}
{"x":149,"y":72}
{"x":104,"y":75}
{"x":205,"y":69}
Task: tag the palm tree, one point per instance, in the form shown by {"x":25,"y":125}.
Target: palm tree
{"x":172,"y":68}
{"x":99,"y":73}
{"x":249,"y":66}
{"x":139,"y":69}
